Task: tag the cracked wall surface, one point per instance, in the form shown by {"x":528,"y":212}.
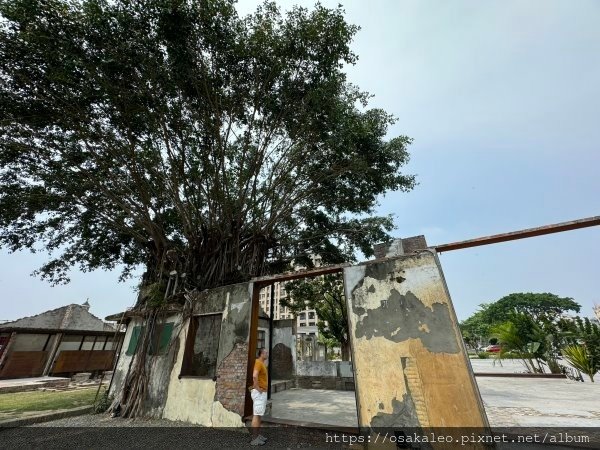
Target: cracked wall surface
{"x":220,"y":402}
{"x":200,"y":400}
{"x":411,"y":368}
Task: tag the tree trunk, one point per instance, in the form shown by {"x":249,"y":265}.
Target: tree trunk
{"x":345,"y":351}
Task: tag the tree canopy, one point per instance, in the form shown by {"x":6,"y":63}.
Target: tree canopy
{"x":180,"y":135}
{"x":540,"y":307}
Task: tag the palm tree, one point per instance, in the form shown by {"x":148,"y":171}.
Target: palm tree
{"x":512,"y":339}
{"x":581,"y":359}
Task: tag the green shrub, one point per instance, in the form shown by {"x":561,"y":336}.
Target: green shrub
{"x":103,"y":402}
{"x":483,"y":355}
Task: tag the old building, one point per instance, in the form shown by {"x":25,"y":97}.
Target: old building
{"x":403,"y":330}
{"x":61,"y":341}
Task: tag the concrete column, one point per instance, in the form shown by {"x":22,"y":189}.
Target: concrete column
{"x":52,"y":354}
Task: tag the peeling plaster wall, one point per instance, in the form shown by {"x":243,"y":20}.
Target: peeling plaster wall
{"x":203,"y":401}
{"x":123,"y":362}
{"x":192,"y":399}
{"x":411,"y":368}
{"x":162,"y":369}
{"x":189,"y":399}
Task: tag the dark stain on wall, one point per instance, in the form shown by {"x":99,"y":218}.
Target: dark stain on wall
{"x":158,"y":390}
{"x":404,"y":413}
{"x":235,"y":328}
{"x":283,"y":363}
{"x":401,"y":317}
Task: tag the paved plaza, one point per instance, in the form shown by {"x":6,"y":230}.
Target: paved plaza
{"x":320,"y":406}
{"x":508,"y":401}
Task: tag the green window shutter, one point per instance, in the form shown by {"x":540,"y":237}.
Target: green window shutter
{"x":161,"y":338}
{"x":165,"y":337}
{"x":133,"y":341}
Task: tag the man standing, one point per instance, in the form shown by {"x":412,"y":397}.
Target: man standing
{"x":260,"y":382}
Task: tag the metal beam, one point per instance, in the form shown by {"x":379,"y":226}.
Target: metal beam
{"x":521,"y":234}
{"x":305,"y":273}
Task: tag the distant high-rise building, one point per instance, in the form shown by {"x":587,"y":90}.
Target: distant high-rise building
{"x":306,"y":321}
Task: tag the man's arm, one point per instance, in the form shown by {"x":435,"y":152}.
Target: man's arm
{"x":255,"y":381}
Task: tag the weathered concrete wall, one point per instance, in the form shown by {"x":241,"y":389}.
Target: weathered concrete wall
{"x":160,"y":367}
{"x":199,"y":400}
{"x":345,"y":369}
{"x":284,"y":349}
{"x":317,"y":368}
{"x":123,"y":362}
{"x":189,"y":399}
{"x":324,"y":368}
{"x":335,"y":375}
{"x":221,"y":402}
{"x":411,"y":367}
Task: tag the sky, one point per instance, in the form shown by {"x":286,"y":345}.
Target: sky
{"x":502,"y":100}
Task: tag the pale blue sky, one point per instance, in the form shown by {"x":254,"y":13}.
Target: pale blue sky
{"x":503,"y":101}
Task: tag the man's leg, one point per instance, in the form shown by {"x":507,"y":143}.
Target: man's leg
{"x":255,"y":425}
{"x":256,"y":438}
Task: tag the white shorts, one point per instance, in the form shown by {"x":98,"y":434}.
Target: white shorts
{"x":259,"y":402}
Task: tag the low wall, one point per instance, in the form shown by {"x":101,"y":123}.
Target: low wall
{"x":335,"y":375}
{"x":324,"y":368}
{"x":320,"y":382}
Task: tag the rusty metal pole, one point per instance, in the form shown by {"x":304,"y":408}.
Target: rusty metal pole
{"x":520,"y":234}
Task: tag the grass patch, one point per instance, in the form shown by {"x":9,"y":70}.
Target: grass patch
{"x":17,"y":403}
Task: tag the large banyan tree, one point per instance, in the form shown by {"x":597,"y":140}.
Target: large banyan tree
{"x":178,"y":136}
{"x":174,"y":134}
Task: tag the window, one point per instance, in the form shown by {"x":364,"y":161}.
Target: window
{"x":111,"y":344}
{"x":88,"y":343}
{"x":100,"y":341}
{"x":302,"y":316}
{"x":159,"y":343}
{"x":312,"y":324}
{"x":261,"y":341}
{"x":133,"y":341}
{"x":202,"y":346}
{"x":160,"y":338}
{"x":311,"y":315}
{"x":302,"y":324}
